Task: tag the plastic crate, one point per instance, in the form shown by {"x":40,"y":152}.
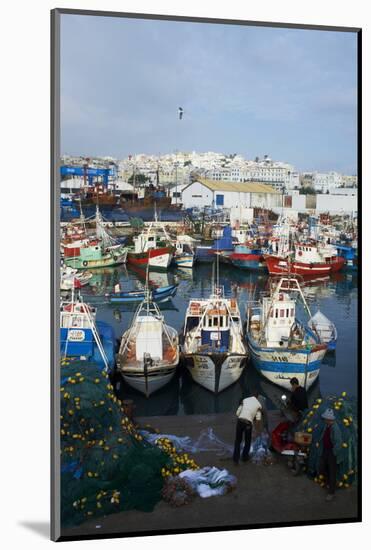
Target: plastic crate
{"x":303,"y":438}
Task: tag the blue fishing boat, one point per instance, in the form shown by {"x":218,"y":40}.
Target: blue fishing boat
{"x":223,"y":246}
{"x":246,"y":257}
{"x":157,"y":295}
{"x":81,"y":336}
{"x":281,"y":346}
{"x":204,"y":254}
{"x":349,"y":253}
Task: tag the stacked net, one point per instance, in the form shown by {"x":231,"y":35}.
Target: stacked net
{"x":106,"y":465}
{"x":345,"y":435}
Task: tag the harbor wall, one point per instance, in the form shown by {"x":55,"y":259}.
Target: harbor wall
{"x":337,"y":204}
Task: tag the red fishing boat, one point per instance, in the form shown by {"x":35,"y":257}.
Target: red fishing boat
{"x":310,"y":259}
{"x":153,"y":249}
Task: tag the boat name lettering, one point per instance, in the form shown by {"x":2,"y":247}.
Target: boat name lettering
{"x":279,"y":358}
{"x":76,"y":335}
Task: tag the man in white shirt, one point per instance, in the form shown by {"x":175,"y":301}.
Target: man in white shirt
{"x":249,"y":411}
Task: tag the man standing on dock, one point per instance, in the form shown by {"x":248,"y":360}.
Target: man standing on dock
{"x":248,"y":413}
{"x":329,"y":447}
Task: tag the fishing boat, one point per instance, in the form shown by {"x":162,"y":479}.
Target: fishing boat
{"x":325,"y":329}
{"x":309,"y":259}
{"x":149,"y":350}
{"x":102,"y":250}
{"x":213,"y":347}
{"x":204,"y":254}
{"x":349,"y":253}
{"x":247,"y":257}
{"x":131,"y":296}
{"x":98,"y":195}
{"x":94,"y":255}
{"x":72,"y":278}
{"x":152,"y":247}
{"x":184,"y":255}
{"x":149,"y":201}
{"x":224,"y":245}
{"x":82,"y":336}
{"x":281,"y":346}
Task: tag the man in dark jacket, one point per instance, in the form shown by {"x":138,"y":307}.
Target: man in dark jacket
{"x":298,"y":399}
{"x":329,"y":451}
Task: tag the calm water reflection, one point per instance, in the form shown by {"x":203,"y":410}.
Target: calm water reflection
{"x":336,"y":297}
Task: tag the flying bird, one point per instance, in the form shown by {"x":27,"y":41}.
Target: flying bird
{"x":180,"y":111}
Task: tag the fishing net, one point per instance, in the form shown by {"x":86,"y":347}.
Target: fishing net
{"x":260,"y":452}
{"x":207,"y":441}
{"x":345,"y":435}
{"x":106,"y":465}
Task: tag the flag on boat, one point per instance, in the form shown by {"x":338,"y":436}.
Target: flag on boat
{"x":76,"y":283}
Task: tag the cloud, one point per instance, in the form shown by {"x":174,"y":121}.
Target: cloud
{"x":242,"y":88}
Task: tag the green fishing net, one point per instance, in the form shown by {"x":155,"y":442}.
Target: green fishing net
{"x":345,"y":435}
{"x":106,"y":465}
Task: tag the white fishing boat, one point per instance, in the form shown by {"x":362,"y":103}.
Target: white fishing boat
{"x":184,"y":255}
{"x":325,"y":329}
{"x":213,"y":348}
{"x":281,"y":346}
{"x":149,"y":350}
{"x":72,"y":278}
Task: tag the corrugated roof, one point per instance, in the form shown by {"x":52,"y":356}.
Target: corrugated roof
{"x":239,"y":187}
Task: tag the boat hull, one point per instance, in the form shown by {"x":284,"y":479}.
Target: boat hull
{"x":105,"y":261}
{"x":280,"y":365}
{"x":185,"y":260}
{"x":158,"y":295}
{"x":154,"y":381}
{"x":80,"y":343}
{"x":158,"y":259}
{"x":279,"y":266}
{"x":213,"y":371}
{"x":204,"y":254}
{"x":254,"y":262}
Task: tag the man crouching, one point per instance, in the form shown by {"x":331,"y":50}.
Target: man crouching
{"x":249,"y":414}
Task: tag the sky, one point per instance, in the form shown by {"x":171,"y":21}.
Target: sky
{"x":288,"y":93}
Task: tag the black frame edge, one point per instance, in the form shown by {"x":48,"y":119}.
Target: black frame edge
{"x":55,"y":524}
{"x":199,"y":19}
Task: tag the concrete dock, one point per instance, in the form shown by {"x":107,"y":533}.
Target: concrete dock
{"x":264,"y":494}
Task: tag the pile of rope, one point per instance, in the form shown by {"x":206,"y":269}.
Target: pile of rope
{"x":177,"y":491}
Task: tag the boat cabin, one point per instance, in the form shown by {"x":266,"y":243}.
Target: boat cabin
{"x":278,"y":320}
{"x":309,"y":253}
{"x":148,"y":338}
{"x":210,"y":323}
{"x":76,"y":333}
{"x":148,"y":240}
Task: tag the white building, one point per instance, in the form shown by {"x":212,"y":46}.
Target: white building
{"x":218,"y":194}
{"x":325,"y":181}
{"x":277,"y":174}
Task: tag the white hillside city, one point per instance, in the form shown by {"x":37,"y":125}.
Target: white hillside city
{"x":226,"y":181}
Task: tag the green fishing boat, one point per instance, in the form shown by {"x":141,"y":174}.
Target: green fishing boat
{"x":95,"y":255}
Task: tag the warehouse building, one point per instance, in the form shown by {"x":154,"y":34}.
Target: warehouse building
{"x":227,"y":194}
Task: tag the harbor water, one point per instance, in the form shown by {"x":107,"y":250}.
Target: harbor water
{"x":335,"y":296}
